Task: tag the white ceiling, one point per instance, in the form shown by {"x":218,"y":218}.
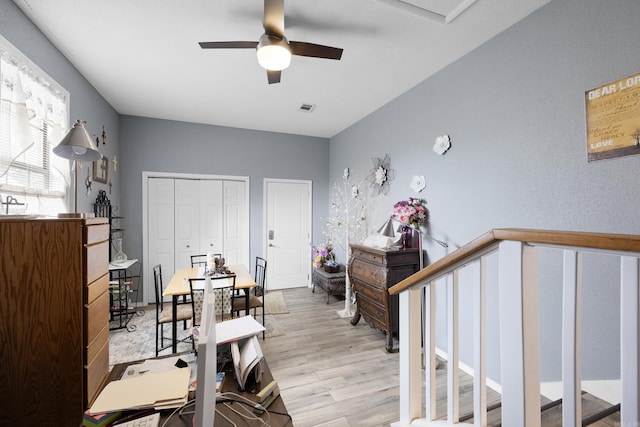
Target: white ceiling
{"x":144,"y":59}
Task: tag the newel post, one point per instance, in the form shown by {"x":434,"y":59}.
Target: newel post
{"x":410,"y":366}
{"x":519,"y":334}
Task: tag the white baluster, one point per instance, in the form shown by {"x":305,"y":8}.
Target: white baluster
{"x":629,"y":340}
{"x":453,"y":347}
{"x":480,"y":342}
{"x":430,"y":350}
{"x":519,"y":334}
{"x":571,"y":332}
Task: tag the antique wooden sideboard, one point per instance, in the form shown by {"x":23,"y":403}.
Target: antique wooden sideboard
{"x":372,"y":272}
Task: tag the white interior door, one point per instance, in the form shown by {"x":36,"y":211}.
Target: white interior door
{"x":288,"y":233}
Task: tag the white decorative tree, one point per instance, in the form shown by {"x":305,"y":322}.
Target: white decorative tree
{"x":347,"y":223}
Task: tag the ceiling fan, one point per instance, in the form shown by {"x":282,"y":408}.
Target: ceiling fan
{"x":273,"y":49}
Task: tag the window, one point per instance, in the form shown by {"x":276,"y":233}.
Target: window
{"x":33,"y":119}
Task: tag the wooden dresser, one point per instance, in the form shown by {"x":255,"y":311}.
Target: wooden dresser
{"x":54,"y":319}
{"x":372,"y":272}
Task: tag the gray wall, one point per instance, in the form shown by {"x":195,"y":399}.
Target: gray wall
{"x":515,"y":111}
{"x":167,"y":146}
{"x":86,"y":103}
{"x":514,"y":108}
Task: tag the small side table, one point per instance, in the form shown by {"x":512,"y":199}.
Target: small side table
{"x":333,"y":283}
{"x":124,"y":293}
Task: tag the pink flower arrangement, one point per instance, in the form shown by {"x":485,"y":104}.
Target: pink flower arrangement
{"x":410,"y":212}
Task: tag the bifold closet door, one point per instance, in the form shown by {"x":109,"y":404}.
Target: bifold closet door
{"x":195,"y":216}
{"x":211,"y":217}
{"x":235,"y":223}
{"x":187,"y":220}
{"x":161,"y":220}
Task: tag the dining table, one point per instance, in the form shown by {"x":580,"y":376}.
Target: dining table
{"x":179,"y":287}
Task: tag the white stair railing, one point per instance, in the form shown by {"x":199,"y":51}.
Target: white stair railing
{"x":517,"y":252}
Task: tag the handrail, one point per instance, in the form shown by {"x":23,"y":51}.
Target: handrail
{"x":595,"y":241}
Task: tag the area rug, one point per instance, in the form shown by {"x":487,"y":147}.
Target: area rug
{"x":274,"y":303}
{"x":139,"y":343}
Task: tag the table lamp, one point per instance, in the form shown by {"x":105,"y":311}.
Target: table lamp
{"x":77,"y":146}
{"x":387,"y":230}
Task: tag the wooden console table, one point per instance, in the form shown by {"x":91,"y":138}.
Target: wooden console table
{"x":372,"y":272}
{"x":333,"y":283}
{"x":225,"y":415}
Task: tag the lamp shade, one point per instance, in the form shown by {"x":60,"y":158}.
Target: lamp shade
{"x":387,"y":229}
{"x":77,"y":145}
{"x":273,"y":53}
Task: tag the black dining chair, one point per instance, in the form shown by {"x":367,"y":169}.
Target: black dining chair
{"x":201,"y":260}
{"x":224,"y":290}
{"x":256,"y":296}
{"x":164,"y":315}
{"x":196,"y":261}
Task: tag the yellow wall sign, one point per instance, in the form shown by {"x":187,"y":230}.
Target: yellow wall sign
{"x":613,"y":119}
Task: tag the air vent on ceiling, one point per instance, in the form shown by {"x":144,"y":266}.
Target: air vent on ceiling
{"x":307,"y":108}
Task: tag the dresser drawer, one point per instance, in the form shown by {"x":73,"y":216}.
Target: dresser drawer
{"x":373,"y":313}
{"x":375,"y":275}
{"x":96,"y":261}
{"x":95,"y":289}
{"x":92,"y":349}
{"x":369,"y":255}
{"x":96,"y":316}
{"x":96,"y":233}
{"x":95,"y":373}
{"x":375,"y":294}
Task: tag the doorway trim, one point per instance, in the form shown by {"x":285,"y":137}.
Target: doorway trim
{"x":265,"y":240}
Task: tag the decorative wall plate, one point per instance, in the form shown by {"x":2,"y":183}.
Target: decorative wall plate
{"x":417,"y":183}
{"x":442,"y":144}
{"x":381,"y":175}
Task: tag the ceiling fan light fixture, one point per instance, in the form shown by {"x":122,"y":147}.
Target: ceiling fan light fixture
{"x":273,"y":53}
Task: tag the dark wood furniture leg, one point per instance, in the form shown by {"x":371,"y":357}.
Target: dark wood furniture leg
{"x":174,"y":324}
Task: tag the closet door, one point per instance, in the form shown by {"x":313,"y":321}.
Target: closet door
{"x":189,"y":216}
{"x":161,"y":219}
{"x":187,"y":221}
{"x":236,"y":223}
{"x":211,"y":212}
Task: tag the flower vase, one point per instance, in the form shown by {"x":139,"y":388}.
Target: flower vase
{"x":119,"y":256}
{"x":407,"y":237}
{"x":410,"y":238}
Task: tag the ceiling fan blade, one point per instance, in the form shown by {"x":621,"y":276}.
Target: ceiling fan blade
{"x":315,"y":50}
{"x":273,"y":20}
{"x":228,"y":45}
{"x":273,"y":76}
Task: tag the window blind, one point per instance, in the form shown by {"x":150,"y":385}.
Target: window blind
{"x":33,"y":119}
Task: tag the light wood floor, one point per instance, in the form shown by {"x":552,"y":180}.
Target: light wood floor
{"x":332,"y":373}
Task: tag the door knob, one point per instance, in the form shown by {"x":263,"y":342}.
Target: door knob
{"x":271,"y":245}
